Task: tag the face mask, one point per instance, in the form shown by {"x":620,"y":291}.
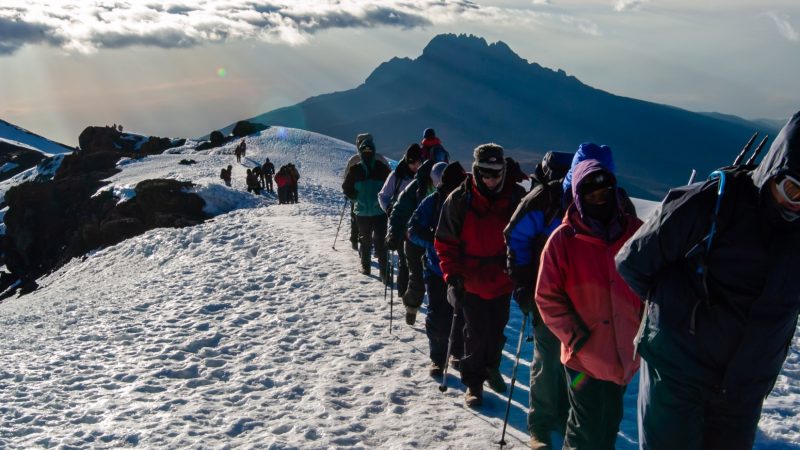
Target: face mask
{"x":601,"y":213}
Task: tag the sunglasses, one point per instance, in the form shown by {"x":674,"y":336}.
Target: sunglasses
{"x":490,"y":173}
{"x":789,"y":188}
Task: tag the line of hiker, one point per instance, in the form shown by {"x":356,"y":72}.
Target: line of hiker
{"x":260,"y":178}
{"x":701,"y":294}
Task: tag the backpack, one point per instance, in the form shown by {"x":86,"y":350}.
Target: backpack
{"x":438,"y":154}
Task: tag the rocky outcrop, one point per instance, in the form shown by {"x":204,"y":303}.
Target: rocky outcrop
{"x":15,"y":159}
{"x":50,"y":222}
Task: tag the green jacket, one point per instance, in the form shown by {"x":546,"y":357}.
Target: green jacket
{"x":362,"y":182}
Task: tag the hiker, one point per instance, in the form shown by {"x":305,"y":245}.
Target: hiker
{"x":432,"y":147}
{"x":407,"y":202}
{"x":397,"y":181}
{"x":268,"y":171}
{"x":469,"y":242}
{"x":252,"y":182}
{"x":238,"y":152}
{"x":722,"y":301}
{"x":352,"y":161}
{"x":226,"y":174}
{"x":538,"y":214}
{"x":294,"y":175}
{"x":362,"y":183}
{"x":421,"y":230}
{"x":243,"y":150}
{"x":586,"y":304}
{"x":282,"y":179}
{"x":257,"y":176}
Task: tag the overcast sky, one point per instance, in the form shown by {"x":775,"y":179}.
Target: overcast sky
{"x":182,"y":69}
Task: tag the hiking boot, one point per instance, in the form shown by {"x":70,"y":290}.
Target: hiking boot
{"x":411,"y":315}
{"x":496,"y":381}
{"x":455,"y":363}
{"x":536,"y":444}
{"x":354,"y":244}
{"x":365,"y":270}
{"x":436,"y":370}
{"x":474,"y":397}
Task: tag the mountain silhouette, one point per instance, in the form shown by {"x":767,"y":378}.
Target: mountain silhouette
{"x":472,"y":92}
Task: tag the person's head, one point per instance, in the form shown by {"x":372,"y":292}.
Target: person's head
{"x":589,"y":150}
{"x":230,"y":167}
{"x":452,"y":176}
{"x":489,"y":165}
{"x":779,"y":171}
{"x":428,"y":133}
{"x":365,"y":146}
{"x":436,"y":173}
{"x":785,"y":190}
{"x":413,"y":157}
{"x":595,"y":191}
{"x":249,"y":171}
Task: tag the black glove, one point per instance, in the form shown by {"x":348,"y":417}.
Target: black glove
{"x":455,"y":289}
{"x":392,"y":243}
{"x":523,"y":295}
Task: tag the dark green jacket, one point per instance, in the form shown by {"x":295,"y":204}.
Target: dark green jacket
{"x":362,"y":182}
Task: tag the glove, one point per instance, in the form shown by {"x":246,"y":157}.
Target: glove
{"x":580,"y":341}
{"x":392,"y":243}
{"x":455,"y":289}
{"x":523,"y":295}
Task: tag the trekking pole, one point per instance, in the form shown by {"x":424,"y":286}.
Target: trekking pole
{"x":391,"y":290}
{"x":443,"y":386}
{"x":745,"y":149}
{"x":340,"y":222}
{"x":692,"y":176}
{"x":513,"y":380}
{"x":752,"y":159}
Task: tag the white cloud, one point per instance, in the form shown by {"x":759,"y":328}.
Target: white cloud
{"x":785,"y":27}
{"x":541,"y":2}
{"x":628,"y":5}
{"x":86,"y":26}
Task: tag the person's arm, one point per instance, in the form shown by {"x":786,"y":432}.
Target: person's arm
{"x":447,"y":239}
{"x":552,"y":300}
{"x":421,"y":224}
{"x":387,"y":192}
{"x":349,"y":184}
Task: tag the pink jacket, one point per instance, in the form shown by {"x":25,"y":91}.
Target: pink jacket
{"x":579,"y":293}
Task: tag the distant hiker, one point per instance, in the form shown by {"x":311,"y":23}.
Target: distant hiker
{"x":538,"y":214}
{"x":432,"y":147}
{"x":238,"y":152}
{"x":722,"y":301}
{"x":586,"y":304}
{"x":397,"y":181}
{"x":407,"y":202}
{"x":469,"y":242}
{"x":257,"y":175}
{"x":421,"y":231}
{"x":225,"y":174}
{"x":252,"y":183}
{"x":282,"y":179}
{"x":352,"y":161}
{"x":120,"y":128}
{"x":295,"y":176}
{"x":244,"y":148}
{"x":362,"y":183}
{"x":268,"y":171}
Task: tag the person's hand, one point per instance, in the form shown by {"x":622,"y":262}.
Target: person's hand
{"x":455,"y":289}
{"x":523,"y":295}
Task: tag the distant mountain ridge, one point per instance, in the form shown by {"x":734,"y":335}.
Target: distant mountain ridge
{"x":474,"y":92}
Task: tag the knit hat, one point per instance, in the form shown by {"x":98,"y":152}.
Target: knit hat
{"x":364,"y":141}
{"x":428,"y":133}
{"x":452,"y":176}
{"x":413,"y":153}
{"x":436,"y":173}
{"x":489,"y":156}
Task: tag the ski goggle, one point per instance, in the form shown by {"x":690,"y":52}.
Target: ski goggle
{"x":489,"y":173}
{"x":789,"y":188}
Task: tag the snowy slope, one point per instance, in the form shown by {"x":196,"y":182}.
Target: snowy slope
{"x":23,"y":138}
{"x":250,"y":331}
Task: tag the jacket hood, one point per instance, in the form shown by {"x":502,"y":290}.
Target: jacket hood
{"x":582,"y":171}
{"x":783,"y":155}
{"x":589,"y":150}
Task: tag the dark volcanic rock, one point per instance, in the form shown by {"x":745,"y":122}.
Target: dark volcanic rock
{"x":18,"y":158}
{"x":50,"y":222}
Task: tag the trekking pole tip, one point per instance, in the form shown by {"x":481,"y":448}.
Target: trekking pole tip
{"x":442,"y":388}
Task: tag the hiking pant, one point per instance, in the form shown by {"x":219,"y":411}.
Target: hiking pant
{"x":595,"y":412}
{"x":676,"y":413}
{"x":402,"y":271}
{"x":293,"y":191}
{"x":268,"y":183}
{"x":415,"y":291}
{"x":283,"y":194}
{"x":484,"y":322}
{"x":372,"y":229}
{"x":353,"y":225}
{"x":549,"y":405}
{"x":438,"y":322}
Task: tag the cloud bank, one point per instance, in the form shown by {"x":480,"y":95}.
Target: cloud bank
{"x":628,"y":5}
{"x":87,"y":26}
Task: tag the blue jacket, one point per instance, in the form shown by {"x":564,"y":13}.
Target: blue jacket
{"x":588,"y":150}
{"x":422,"y":227}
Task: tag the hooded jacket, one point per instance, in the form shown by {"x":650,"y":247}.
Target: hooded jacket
{"x":397,"y":181}
{"x":469,"y":237}
{"x":409,"y":199}
{"x":581,"y":297}
{"x":736,"y":335}
{"x":362,"y":182}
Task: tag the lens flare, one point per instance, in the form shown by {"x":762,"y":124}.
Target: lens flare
{"x":221,"y":72}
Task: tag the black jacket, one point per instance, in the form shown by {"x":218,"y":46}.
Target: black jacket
{"x":733,"y":332}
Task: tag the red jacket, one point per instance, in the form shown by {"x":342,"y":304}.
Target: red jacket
{"x":282,"y":179}
{"x":469,"y":239}
{"x":582,"y":297}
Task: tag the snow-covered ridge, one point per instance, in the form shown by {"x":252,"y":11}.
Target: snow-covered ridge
{"x":250,"y":331}
{"x":23,"y":138}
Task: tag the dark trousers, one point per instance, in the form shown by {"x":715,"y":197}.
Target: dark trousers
{"x":595,"y":412}
{"x":438,"y":322}
{"x":549,"y":403}
{"x":415,"y":292}
{"x":484,"y":322}
{"x":268,"y":182}
{"x":674,"y":413}
{"x":353,"y":224}
{"x":402,"y":271}
{"x":372,"y":230}
{"x":293,"y":191}
{"x":283,"y":194}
